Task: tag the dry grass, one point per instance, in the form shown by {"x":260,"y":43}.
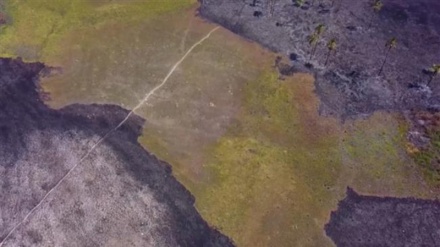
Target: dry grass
{"x":283,"y":168}
{"x":37,"y":27}
{"x":264,"y":167}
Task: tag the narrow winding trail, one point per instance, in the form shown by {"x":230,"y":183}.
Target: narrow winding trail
{"x":100,"y":140}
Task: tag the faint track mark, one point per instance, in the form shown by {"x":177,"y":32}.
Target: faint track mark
{"x":100,"y":140}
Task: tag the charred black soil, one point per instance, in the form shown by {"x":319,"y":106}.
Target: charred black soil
{"x":384,"y":221}
{"x":39,"y":145}
{"x":349,"y":84}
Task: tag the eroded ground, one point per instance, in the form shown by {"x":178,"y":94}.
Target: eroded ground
{"x":264,"y":167}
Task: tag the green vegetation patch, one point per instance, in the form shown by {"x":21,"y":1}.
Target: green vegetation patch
{"x":267,"y":188}
{"x":428,"y":159}
{"x":375,"y":155}
{"x":282,"y":168}
{"x":36,"y":27}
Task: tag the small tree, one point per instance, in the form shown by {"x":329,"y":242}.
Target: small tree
{"x":313,"y":42}
{"x":377,"y":7}
{"x":331,"y":46}
{"x":319,"y":30}
{"x":314,"y":39}
{"x":434,"y":71}
{"x":391,"y":44}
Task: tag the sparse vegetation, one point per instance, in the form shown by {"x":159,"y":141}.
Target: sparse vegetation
{"x":314,"y":38}
{"x":313,"y":42}
{"x":331,"y":47}
{"x":429,"y":159}
{"x":434,"y":72}
{"x":427,"y":155}
{"x":319,"y":30}
{"x":299,"y":3}
{"x":377,"y":7}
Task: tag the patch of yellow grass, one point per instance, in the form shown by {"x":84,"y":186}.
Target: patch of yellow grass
{"x":282,"y":168}
{"x":38,"y":26}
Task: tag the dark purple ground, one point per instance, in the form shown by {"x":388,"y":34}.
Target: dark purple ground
{"x":384,"y":221}
{"x":349,"y":85}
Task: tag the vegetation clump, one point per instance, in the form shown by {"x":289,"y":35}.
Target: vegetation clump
{"x":434,"y":71}
{"x":428,"y":156}
{"x":331,"y":47}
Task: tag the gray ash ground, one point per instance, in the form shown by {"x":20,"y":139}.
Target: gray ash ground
{"x":349,"y":85}
{"x":383,"y":221}
{"x":120,"y":195}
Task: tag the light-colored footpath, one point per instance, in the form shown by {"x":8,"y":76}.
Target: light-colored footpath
{"x":100,"y":140}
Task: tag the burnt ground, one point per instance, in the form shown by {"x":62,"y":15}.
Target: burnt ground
{"x":119,"y":196}
{"x":384,"y":221}
{"x":349,"y":85}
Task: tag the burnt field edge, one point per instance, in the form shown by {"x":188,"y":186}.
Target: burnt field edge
{"x":362,"y":220}
{"x":23,"y":111}
{"x":350,"y":83}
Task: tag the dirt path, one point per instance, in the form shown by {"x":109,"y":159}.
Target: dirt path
{"x":143,"y":101}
